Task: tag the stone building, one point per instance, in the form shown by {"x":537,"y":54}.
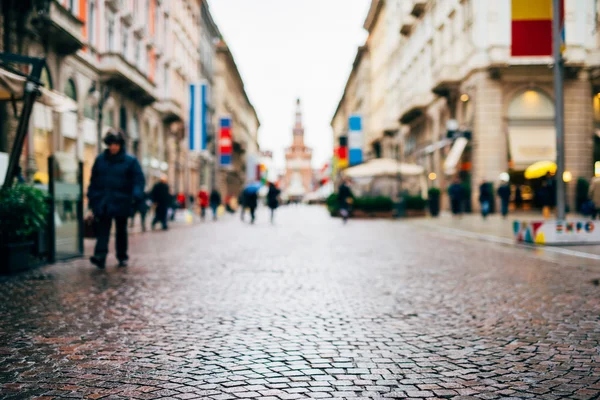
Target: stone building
{"x":298,"y":178}
{"x":452,"y":62}
{"x":231,"y":100}
{"x":135,"y":58}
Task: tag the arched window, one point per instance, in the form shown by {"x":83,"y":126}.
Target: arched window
{"x":46,"y":78}
{"x":70,"y":89}
{"x":531,"y":104}
{"x":531,"y":132}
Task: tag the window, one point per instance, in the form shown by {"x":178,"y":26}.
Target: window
{"x":125,"y":39}
{"x":110,"y":17}
{"x":91,"y":22}
{"x":138,"y":49}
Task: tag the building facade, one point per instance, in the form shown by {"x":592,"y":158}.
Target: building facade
{"x":453,"y":72}
{"x":128,"y":62}
{"x":231,"y":101}
{"x":298,"y":179}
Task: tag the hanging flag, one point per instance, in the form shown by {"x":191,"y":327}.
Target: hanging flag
{"x":198,"y":125}
{"x":532,"y":27}
{"x":225,"y":141}
{"x":355,"y":140}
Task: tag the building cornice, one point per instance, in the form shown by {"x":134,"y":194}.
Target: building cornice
{"x":373,"y":14}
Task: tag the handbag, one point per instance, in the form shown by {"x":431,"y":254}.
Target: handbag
{"x":89,"y":227}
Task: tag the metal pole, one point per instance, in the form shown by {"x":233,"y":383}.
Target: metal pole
{"x":559,"y":105}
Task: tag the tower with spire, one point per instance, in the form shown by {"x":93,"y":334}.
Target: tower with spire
{"x":299,"y":174}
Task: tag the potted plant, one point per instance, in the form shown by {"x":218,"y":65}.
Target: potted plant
{"x":434,"y":201}
{"x":23,"y":212}
{"x":415,"y":206}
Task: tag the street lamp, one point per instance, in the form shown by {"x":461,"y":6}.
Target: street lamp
{"x":99,"y":96}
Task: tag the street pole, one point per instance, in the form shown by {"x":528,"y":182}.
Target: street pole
{"x":559,"y":105}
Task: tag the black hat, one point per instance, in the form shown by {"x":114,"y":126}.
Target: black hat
{"x":114,"y":136}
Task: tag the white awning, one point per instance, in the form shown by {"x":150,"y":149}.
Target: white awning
{"x":12,"y":86}
{"x":383,"y":167}
{"x":451,"y":163}
{"x":530,"y":144}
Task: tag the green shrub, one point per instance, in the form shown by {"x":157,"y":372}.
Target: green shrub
{"x":434,"y":192}
{"x":23,"y":211}
{"x":372,"y":204}
{"x":417,"y":203}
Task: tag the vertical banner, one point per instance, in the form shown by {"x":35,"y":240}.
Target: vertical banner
{"x":225,"y":142}
{"x":355,"y":140}
{"x":198,"y":125}
{"x":342,"y":152}
{"x":532,"y":27}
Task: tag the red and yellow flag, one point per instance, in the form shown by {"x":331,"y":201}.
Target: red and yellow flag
{"x":532,"y":27}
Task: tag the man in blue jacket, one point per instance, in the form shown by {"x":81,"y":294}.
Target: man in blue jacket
{"x":117,"y":182}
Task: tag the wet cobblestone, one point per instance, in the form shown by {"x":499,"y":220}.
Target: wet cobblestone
{"x":304,"y":309}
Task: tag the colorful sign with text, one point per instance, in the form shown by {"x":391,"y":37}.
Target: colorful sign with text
{"x":225,"y":141}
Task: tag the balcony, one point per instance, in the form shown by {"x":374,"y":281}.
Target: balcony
{"x":170,"y":109}
{"x":61,"y":27}
{"x":115,"y":70}
{"x":114,"y":5}
{"x":418,"y":8}
{"x":445,"y":79}
{"x":414,"y":106}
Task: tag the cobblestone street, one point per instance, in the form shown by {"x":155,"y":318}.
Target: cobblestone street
{"x":307,"y":308}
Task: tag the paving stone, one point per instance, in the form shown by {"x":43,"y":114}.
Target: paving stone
{"x":307,"y":308}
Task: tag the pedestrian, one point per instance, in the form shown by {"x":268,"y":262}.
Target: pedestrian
{"x":251,"y":201}
{"x":215,"y":202}
{"x":273,"y":199}
{"x":518,"y":197}
{"x":116,"y":182}
{"x":485,"y":198}
{"x":504,"y":194}
{"x":173,"y":206}
{"x":455,"y":192}
{"x":141,"y":207}
{"x":594,"y":193}
{"x":203,"y":202}
{"x":181,"y":200}
{"x":161,"y":198}
{"x":545,"y":196}
{"x":345,"y":199}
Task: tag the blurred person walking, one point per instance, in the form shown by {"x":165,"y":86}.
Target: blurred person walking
{"x":485,"y":198}
{"x":273,"y":199}
{"x":504,"y":194}
{"x":203,"y":202}
{"x":345,"y":199}
{"x":161,"y":198}
{"x":251,"y":201}
{"x":215,"y":202}
{"x":141,"y":207}
{"x":116,"y":183}
{"x":455,"y":191}
{"x":594,"y":193}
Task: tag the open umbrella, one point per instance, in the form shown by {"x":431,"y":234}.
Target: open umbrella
{"x":540,"y":169}
{"x":252,"y":188}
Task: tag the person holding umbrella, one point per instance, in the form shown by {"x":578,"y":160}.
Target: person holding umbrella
{"x":251,"y":199}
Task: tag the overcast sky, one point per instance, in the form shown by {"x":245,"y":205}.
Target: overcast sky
{"x":286,"y":49}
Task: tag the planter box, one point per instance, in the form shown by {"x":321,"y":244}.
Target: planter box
{"x":360,"y":214}
{"x":14,"y":257}
{"x":416,"y":213}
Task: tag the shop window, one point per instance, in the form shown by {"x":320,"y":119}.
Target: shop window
{"x":531,"y":104}
{"x":70,"y":90}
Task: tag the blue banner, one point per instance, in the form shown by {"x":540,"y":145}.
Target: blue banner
{"x":198,"y":124}
{"x":355,"y":140}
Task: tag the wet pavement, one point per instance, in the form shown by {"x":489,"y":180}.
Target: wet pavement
{"x":307,"y":308}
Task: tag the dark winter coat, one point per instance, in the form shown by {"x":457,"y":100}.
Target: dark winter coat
{"x":117,"y":182}
{"x":485,"y":194}
{"x":455,"y":191}
{"x":273,"y":197}
{"x":215,"y":199}
{"x":504,"y":193}
{"x":344,"y":196}
{"x":251,"y":199}
{"x":160,"y":195}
